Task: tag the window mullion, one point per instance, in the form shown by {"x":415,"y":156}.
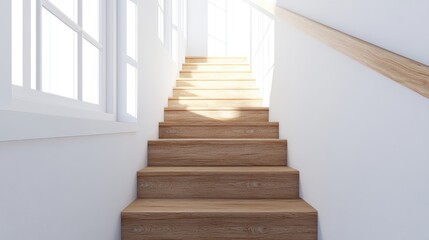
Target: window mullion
{"x":61,"y":16}
{"x":27,"y":38}
{"x":79,"y":61}
{"x":91,"y":40}
{"x":39,"y":51}
{"x":6,"y":52}
{"x":102,"y":56}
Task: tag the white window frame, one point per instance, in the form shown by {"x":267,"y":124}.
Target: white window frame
{"x":36,"y":97}
{"x":30,"y":114}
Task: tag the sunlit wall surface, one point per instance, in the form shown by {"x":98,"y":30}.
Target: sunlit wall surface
{"x":263,"y":50}
{"x":228,"y":28}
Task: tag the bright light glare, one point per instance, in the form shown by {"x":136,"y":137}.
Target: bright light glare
{"x":228,"y":28}
{"x":238,"y":28}
{"x":263,"y":52}
{"x":161,"y":20}
{"x":175,"y":45}
{"x":131,"y":90}
{"x":132,"y":30}
{"x":59,"y":53}
{"x":217,"y":27}
{"x":91,"y":17}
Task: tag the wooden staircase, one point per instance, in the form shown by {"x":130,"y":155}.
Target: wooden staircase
{"x":219,"y":169}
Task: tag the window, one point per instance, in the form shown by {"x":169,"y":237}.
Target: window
{"x":63,"y":52}
{"x":66,"y":52}
{"x":60,"y":66}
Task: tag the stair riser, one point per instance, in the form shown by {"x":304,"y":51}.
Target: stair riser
{"x":219,"y":93}
{"x":217,"y":153}
{"x":217,"y":83}
{"x":214,"y":103}
{"x":216,"y":116}
{"x":219,"y":186}
{"x":216,"y":68}
{"x":214,"y":226}
{"x":218,"y":132}
{"x":217,"y":60}
{"x":219,"y":75}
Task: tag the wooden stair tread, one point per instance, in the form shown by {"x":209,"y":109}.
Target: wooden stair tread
{"x":214,"y":79}
{"x":214,"y":98}
{"x":214,"y":71}
{"x":218,"y":124}
{"x":189,"y":171}
{"x":219,"y":169}
{"x":219,"y":206}
{"x":215,"y":88}
{"x":215,"y":64}
{"x":215,"y":140}
{"x":215,"y":57}
{"x":215,"y":108}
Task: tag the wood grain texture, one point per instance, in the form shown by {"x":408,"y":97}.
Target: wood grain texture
{"x":216,"y":152}
{"x":235,"y":114}
{"x":221,"y":60}
{"x":214,"y":102}
{"x":219,"y":219}
{"x":220,"y":172}
{"x":218,"y":182}
{"x":218,"y":130}
{"x":217,"y":92}
{"x":216,"y":67}
{"x":405,"y":71}
{"x":216,"y":83}
{"x":207,"y":74}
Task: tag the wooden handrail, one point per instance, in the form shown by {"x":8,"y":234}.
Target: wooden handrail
{"x":405,"y":71}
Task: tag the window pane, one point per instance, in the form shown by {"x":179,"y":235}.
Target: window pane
{"x":17,"y":42}
{"x":90,"y":73}
{"x":132,"y":30}
{"x":91,"y":17}
{"x":131,"y":90}
{"x":68,"y":7}
{"x":59,"y":57}
{"x":175,"y":13}
{"x":161,"y":20}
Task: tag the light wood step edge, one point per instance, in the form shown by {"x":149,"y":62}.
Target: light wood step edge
{"x":216,"y":109}
{"x":214,"y":98}
{"x":191,"y":171}
{"x":213,"y":71}
{"x":216,"y":140}
{"x":217,"y":64}
{"x":216,"y":88}
{"x":214,"y":79}
{"x":226,"y":124}
{"x":215,"y":57}
{"x":218,"y":206}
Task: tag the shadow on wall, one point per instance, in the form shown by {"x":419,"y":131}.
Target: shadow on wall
{"x":236,"y":28}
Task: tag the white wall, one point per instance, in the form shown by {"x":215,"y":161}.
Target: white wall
{"x":359,"y":140}
{"x":75,"y":188}
{"x":197,"y":28}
